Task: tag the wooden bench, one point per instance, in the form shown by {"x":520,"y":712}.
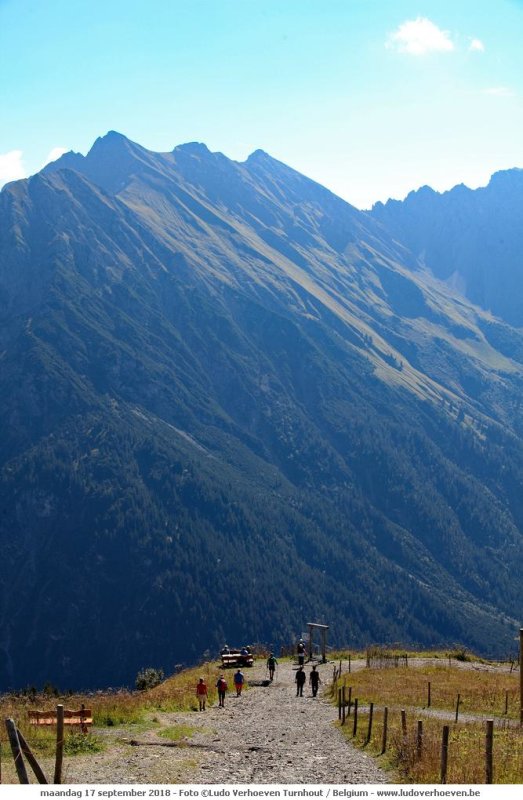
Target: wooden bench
{"x":237,"y":660}
{"x":83,"y":717}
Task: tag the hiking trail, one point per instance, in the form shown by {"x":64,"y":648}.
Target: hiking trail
{"x":268,"y":735}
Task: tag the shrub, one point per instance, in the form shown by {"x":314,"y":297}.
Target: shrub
{"x":148,"y":678}
{"x":76,"y":743}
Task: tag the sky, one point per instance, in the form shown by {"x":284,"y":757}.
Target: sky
{"x":371,"y":98}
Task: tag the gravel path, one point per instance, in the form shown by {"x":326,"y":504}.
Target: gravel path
{"x":268,"y":735}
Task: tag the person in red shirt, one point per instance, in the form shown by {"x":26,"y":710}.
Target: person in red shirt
{"x":201,"y":693}
{"x":222,"y":688}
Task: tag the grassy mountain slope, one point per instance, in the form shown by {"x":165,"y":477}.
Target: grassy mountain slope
{"x":230,"y":408}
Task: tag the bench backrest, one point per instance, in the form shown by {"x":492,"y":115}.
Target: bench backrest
{"x":84,"y":716}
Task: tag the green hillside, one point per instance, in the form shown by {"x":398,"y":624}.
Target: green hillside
{"x":230,"y":406}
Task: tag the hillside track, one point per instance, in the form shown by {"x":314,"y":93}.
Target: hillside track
{"x":268,"y":735}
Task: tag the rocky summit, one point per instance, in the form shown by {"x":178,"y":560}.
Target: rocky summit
{"x":233,"y":404}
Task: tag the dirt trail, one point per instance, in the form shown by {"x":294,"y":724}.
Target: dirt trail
{"x":268,"y":735}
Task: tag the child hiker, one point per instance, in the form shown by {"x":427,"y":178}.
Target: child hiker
{"x":238,"y":682}
{"x":221,"y":685}
{"x":201,"y":693}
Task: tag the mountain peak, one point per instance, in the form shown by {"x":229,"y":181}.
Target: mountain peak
{"x":506,"y":177}
{"x":69,"y":160}
{"x":193,"y":148}
{"x":259,"y":155}
{"x":112,"y":141}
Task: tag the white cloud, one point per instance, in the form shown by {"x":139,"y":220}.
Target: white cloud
{"x":11,"y":166}
{"x":418,"y":37}
{"x":499,"y":91}
{"x":54,"y":154}
{"x":476,"y":46}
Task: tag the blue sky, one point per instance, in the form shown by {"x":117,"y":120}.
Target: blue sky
{"x":372,"y":98}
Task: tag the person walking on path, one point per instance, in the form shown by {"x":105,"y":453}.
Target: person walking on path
{"x":301,"y":652}
{"x":238,"y":682}
{"x":314,"y":680}
{"x":300,"y":681}
{"x":201,"y":693}
{"x":271,"y":666}
{"x":221,"y":685}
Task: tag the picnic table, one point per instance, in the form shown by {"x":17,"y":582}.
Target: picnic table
{"x":235,"y":658}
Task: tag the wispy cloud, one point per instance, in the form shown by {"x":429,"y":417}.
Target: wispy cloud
{"x":476,"y":46}
{"x":420,"y":36}
{"x":54,"y":154}
{"x":499,"y":91}
{"x":11,"y":166}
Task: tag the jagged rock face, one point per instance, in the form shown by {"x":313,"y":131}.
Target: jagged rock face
{"x":473,"y":239}
{"x":232,"y":404}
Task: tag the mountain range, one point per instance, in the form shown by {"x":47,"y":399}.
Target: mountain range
{"x":233,"y":404}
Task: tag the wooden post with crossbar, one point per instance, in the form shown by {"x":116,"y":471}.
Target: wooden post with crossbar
{"x":33,"y":763}
{"x":16,"y":749}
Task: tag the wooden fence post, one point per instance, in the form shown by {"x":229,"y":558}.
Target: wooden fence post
{"x":343,"y":711}
{"x":457,"y":707}
{"x":521,"y":677}
{"x":59,"y":744}
{"x":14,"y":741}
{"x":355,"y":725}
{"x":419,"y":740}
{"x":404,"y":723}
{"x":489,"y":742}
{"x":384,"y":737}
{"x":28,"y":753}
{"x":369,"y":729}
{"x":339,"y":704}
{"x":350,"y":701}
{"x":444,"y":754}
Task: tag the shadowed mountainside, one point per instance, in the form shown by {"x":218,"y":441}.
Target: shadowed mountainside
{"x":472,"y":239}
{"x":233,"y":404}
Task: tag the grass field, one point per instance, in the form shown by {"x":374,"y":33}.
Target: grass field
{"x":485,"y":692}
{"x":129,"y":709}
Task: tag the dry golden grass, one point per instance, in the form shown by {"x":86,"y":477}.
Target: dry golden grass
{"x":481,"y":691}
{"x":483,"y":695}
{"x":466,"y":749}
{"x":121,"y":708}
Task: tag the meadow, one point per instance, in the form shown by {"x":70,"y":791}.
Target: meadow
{"x":421,"y":694}
{"x":412,"y":697}
{"x":132,"y":711}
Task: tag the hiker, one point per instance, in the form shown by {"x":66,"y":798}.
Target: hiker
{"x":244,"y":651}
{"x":271,"y":666}
{"x":201,"y":693}
{"x":314,"y":680}
{"x":225,"y":650}
{"x":300,"y":681}
{"x":301,"y":652}
{"x":222,"y":688}
{"x":238,"y":682}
